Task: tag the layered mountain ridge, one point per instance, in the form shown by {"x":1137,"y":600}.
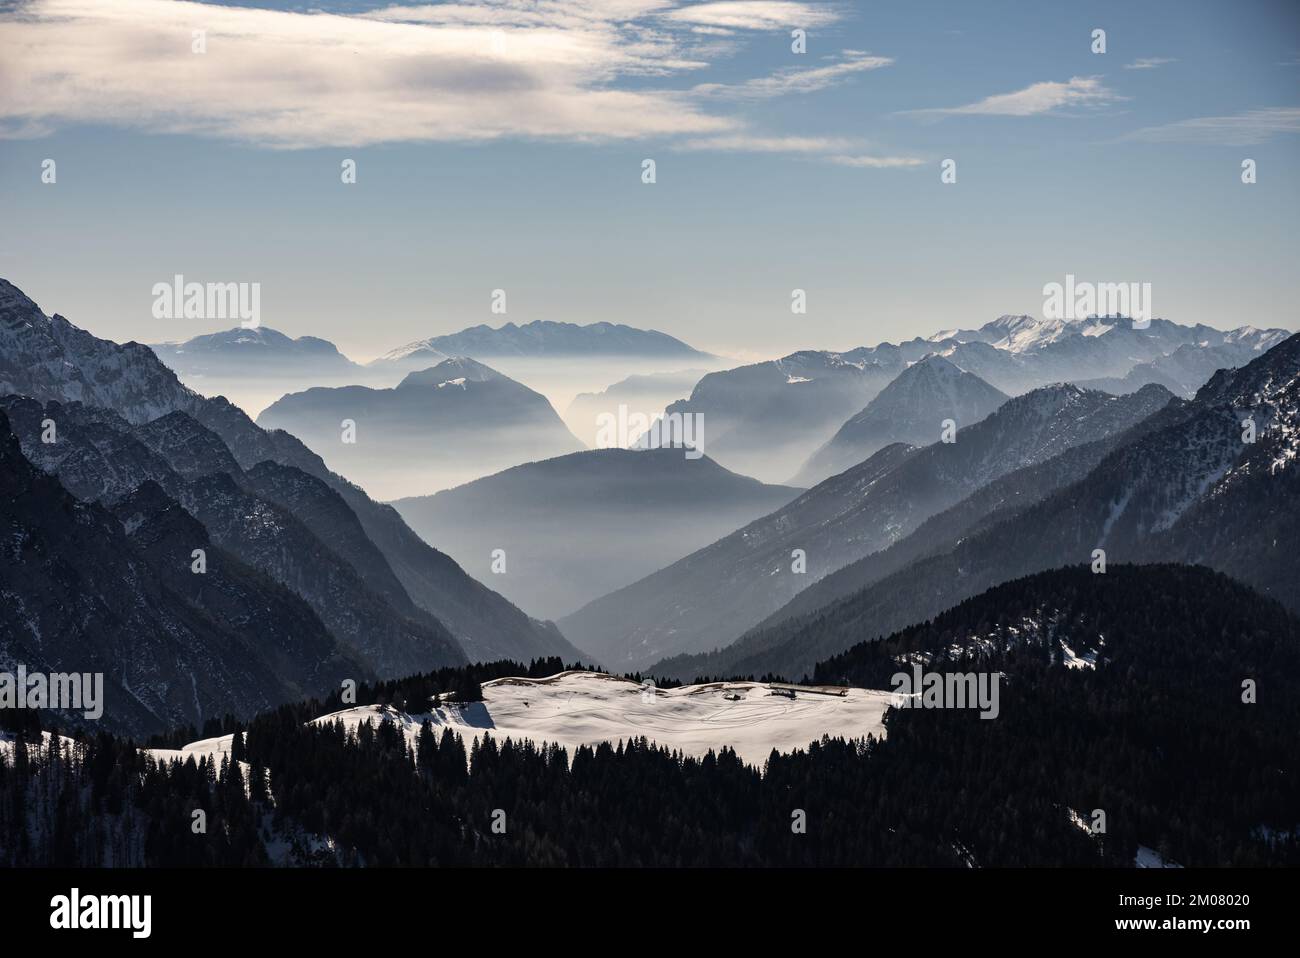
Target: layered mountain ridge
{"x":441,"y":426}
{"x":47,"y":358}
{"x":914,"y":409}
{"x":572,"y":528}
{"x":1193,"y":485}
{"x":90,"y":590}
{"x":716,"y":593}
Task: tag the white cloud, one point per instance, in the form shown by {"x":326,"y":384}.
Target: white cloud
{"x":751,"y":143}
{"x":1242,"y":129}
{"x":1149,"y":63}
{"x":453,"y":72}
{"x":826,"y":148}
{"x":875,"y":162}
{"x":461,"y":71}
{"x":797,"y":80}
{"x":1045,"y":97}
{"x":755,"y":14}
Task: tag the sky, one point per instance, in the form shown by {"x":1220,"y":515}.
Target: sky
{"x":500,"y":145}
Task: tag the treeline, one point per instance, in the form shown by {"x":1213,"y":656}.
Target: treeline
{"x":1153,"y":726}
{"x":943,"y":789}
{"x":376,"y":798}
{"x":412,"y":693}
{"x":101,"y":801}
{"x":415,"y":693}
{"x":1178,"y":718}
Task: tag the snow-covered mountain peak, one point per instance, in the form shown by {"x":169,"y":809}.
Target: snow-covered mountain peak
{"x":422,"y":348}
{"x":1020,"y":333}
{"x":937,"y":365}
{"x":1262,"y":380}
{"x":456,"y":370}
{"x":14,"y":302}
{"x":932,"y":380}
{"x":49,"y":358}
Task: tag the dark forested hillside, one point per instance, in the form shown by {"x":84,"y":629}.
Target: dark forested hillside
{"x":1122,"y":691}
{"x":1119,"y":693}
{"x":86,"y":589}
{"x":111,"y":389}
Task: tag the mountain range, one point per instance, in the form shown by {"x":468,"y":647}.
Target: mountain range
{"x":565,"y":524}
{"x":537,"y":339}
{"x":912,"y":409}
{"x":88,"y":589}
{"x":714,"y":594}
{"x":590,"y":415}
{"x":442,"y":426}
{"x":1184,"y":370}
{"x":766,"y":419}
{"x":1184,"y":486}
{"x":259,"y":352}
{"x":277,"y":519}
{"x":895,"y":538}
{"x":50,"y":360}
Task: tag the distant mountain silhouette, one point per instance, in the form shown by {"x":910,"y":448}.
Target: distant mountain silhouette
{"x":50,"y":359}
{"x":911,"y":409}
{"x":540,"y":338}
{"x":1186,"y":487}
{"x":714,"y":594}
{"x":766,"y":419}
{"x":646,"y":394}
{"x":441,"y":426}
{"x":255,"y":352}
{"x":575,"y":527}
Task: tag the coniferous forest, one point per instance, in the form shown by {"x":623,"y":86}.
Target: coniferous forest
{"x":1156,"y":736}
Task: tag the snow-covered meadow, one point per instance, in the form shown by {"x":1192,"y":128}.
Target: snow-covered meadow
{"x":586,"y":708}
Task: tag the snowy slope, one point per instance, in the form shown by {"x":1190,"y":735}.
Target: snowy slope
{"x":585,"y":708}
{"x":1020,"y":334}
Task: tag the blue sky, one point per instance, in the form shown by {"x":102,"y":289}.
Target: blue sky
{"x":499,"y":145}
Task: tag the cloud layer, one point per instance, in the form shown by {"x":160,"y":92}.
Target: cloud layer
{"x":1149,"y":63}
{"x":464,"y":71}
{"x":299,"y":80}
{"x":797,"y":80}
{"x":1049,"y":96}
{"x":1240,"y":129}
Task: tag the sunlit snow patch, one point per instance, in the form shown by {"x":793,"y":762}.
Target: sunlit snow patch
{"x":585,"y":708}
